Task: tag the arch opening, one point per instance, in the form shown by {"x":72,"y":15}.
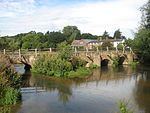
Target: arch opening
{"x":104,"y":62}
{"x":121,"y":60}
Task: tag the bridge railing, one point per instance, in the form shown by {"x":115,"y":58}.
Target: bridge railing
{"x":74,"y":49}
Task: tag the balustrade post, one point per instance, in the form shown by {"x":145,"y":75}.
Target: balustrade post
{"x":87,"y":49}
{"x":50,"y":49}
{"x":19,"y":54}
{"x":36,"y":52}
{"x":75,"y":50}
{"x":116,"y":49}
{"x":107,"y":48}
{"x":97,"y":49}
{"x":4,"y":51}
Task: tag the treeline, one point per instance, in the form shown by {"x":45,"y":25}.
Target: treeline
{"x":32,"y":40}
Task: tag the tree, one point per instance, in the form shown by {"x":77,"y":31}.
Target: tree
{"x":71,"y":32}
{"x":142,"y":37}
{"x":146,"y":16}
{"x":117,"y":34}
{"x":105,"y":35}
{"x":55,"y":37}
{"x":107,"y":44}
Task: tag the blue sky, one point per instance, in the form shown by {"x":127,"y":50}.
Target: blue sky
{"x":90,"y":16}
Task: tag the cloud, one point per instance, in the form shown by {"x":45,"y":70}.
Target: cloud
{"x":92,"y":17}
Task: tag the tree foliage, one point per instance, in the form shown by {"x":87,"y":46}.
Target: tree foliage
{"x":105,"y":35}
{"x":141,"y":43}
{"x":117,"y":34}
{"x":71,"y":32}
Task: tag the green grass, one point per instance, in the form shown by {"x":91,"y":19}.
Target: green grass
{"x":80,"y":73}
{"x":94,"y":66}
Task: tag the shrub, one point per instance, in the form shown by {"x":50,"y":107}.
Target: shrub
{"x":115,"y":62}
{"x":76,"y":63}
{"x":65,"y":51}
{"x":9,"y":82}
{"x":94,"y":66}
{"x":120,"y":46}
{"x":51,"y":65}
{"x":10,"y":96}
{"x":133,"y":64}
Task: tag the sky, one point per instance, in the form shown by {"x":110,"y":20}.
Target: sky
{"x":90,"y":16}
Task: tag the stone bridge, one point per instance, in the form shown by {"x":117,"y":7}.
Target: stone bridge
{"x":106,"y":57}
{"x":100,"y":58}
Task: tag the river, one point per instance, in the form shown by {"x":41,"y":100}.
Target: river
{"x":98,"y":93}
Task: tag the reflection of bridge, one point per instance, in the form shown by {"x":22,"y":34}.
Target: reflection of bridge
{"x":97,"y":57}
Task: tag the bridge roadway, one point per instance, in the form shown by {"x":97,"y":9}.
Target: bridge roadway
{"x":99,"y":58}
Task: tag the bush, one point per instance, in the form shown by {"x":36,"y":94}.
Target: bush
{"x":10,"y":96}
{"x":9,"y":82}
{"x":51,"y":65}
{"x":62,"y":64}
{"x":94,"y":66}
{"x":115,"y":62}
{"x":76,"y":63}
{"x":133,"y":64}
{"x":120,"y":46}
{"x":65,"y":51}
{"x":55,"y":66}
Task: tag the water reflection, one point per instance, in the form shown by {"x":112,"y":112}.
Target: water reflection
{"x":98,"y":93}
{"x":142,"y":90}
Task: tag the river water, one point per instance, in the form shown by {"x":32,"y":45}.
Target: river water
{"x":98,"y":93}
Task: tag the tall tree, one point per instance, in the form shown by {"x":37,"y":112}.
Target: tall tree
{"x":105,"y":35}
{"x":117,"y":34}
{"x":146,"y":16}
{"x":141,"y":43}
{"x":71,"y":32}
{"x":55,"y":37}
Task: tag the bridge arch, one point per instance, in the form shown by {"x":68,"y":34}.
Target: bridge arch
{"x":104,"y":62}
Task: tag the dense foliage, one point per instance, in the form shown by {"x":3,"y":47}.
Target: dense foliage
{"x":61,"y":64}
{"x":9,"y":82}
{"x":141,"y":42}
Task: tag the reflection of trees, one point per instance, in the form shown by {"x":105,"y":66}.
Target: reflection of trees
{"x":109,"y":73}
{"x":64,"y":94}
{"x":142,"y":91}
{"x":62,"y":85}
